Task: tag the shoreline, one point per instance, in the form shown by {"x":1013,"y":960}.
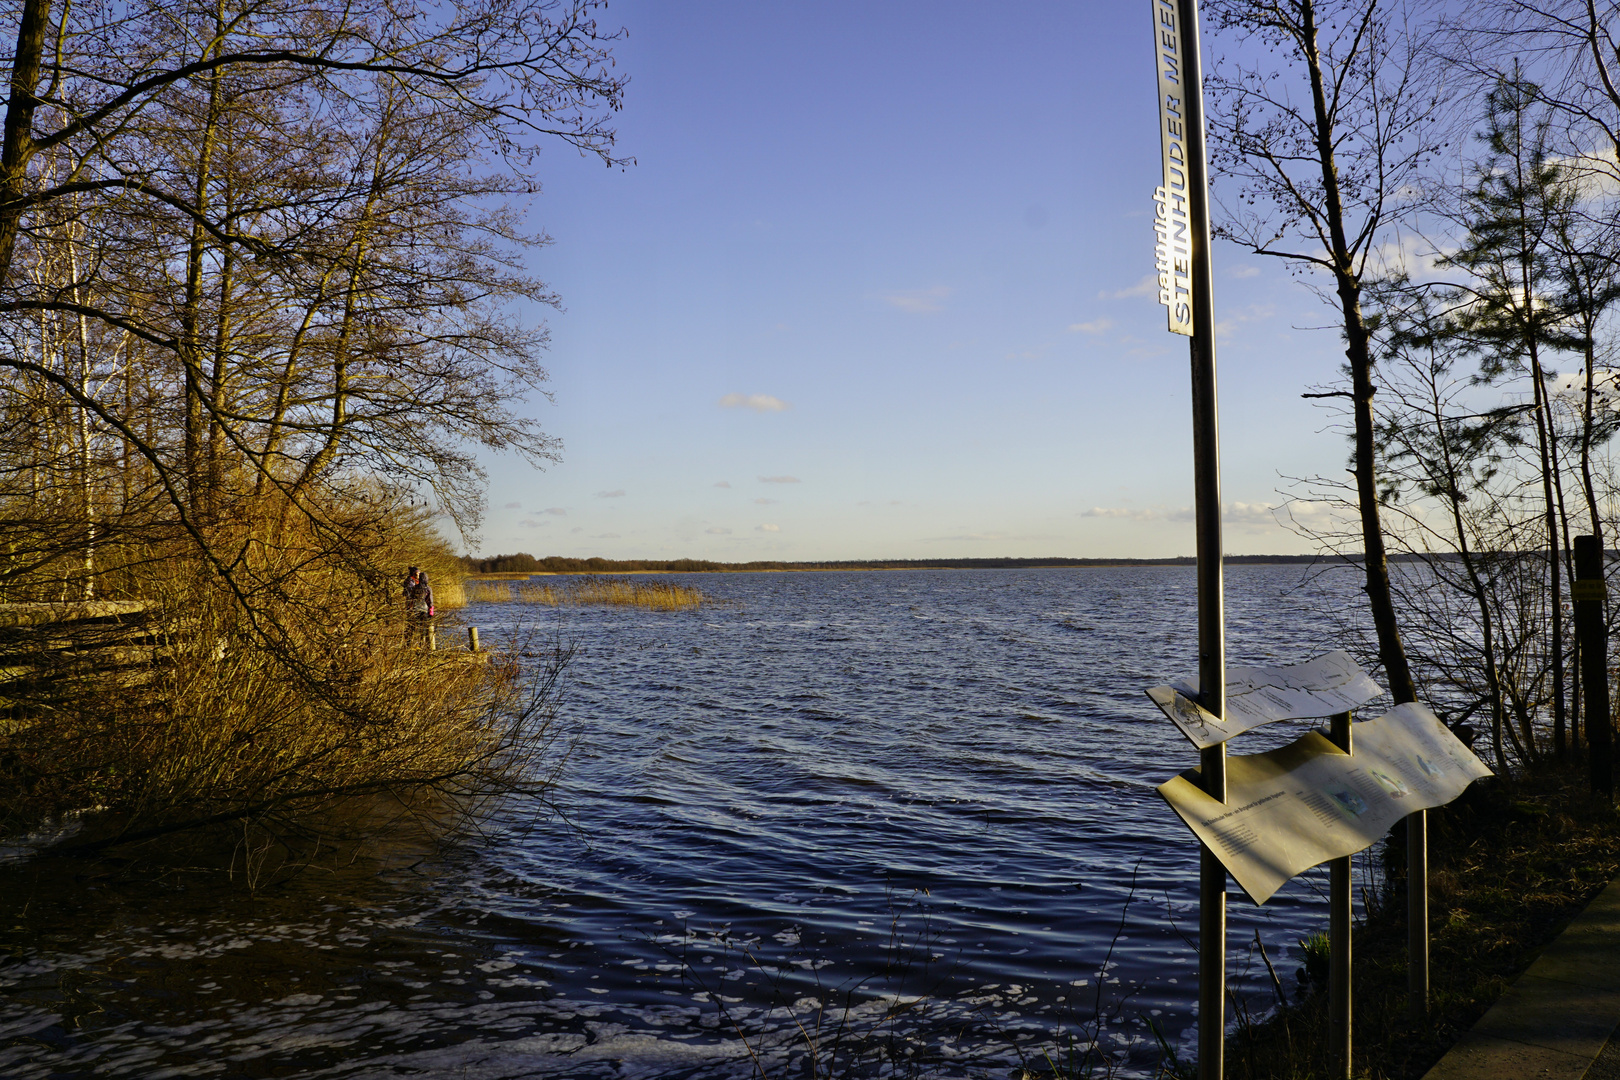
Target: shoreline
{"x":550,"y":567}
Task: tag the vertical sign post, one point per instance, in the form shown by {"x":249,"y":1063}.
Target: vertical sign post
{"x":1181,"y":258}
{"x":1340,"y":896}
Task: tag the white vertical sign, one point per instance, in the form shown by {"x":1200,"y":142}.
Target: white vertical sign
{"x":1172,"y":226}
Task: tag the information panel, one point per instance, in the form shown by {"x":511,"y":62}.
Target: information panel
{"x":1300,"y":805}
{"x":1331,"y":683}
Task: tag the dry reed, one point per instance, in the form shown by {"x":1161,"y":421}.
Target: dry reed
{"x":618,"y":592}
{"x":283,"y":695}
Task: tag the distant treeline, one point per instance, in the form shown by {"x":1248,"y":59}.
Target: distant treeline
{"x":523,"y":563}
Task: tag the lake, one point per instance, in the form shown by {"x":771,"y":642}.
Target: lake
{"x":902,"y":817}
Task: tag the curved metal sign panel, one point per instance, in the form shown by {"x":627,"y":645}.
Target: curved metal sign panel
{"x":1331,"y":683}
{"x":1300,"y":805}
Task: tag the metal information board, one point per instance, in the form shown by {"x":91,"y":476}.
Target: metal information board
{"x":1331,"y":683}
{"x":1300,"y":805}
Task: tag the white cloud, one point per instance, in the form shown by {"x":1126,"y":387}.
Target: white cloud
{"x":1243,"y":271}
{"x":723,"y":484}
{"x":972,"y":537}
{"x":767,"y":528}
{"x":530,"y":523}
{"x":514,"y":506}
{"x":605,"y":536}
{"x":919,"y":301}
{"x":779,"y":480}
{"x":577,"y":529}
{"x":767,"y":502}
{"x":1403,"y":256}
{"x":618,"y":494}
{"x":555,"y":511}
{"x":760,"y":403}
{"x":1148,"y":286}
{"x":718,"y":530}
{"x":1244,"y":513}
{"x":1095,"y":326}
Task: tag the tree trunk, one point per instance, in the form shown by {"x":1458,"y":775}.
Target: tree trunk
{"x":18,"y":146}
{"x":1358,"y":351}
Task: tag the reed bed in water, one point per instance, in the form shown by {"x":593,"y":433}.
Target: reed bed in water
{"x":620,"y":592}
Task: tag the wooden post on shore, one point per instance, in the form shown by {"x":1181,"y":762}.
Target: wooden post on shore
{"x":472,"y":639}
{"x":1417,"y":915}
{"x":1589,"y":595}
{"x":433,"y":636}
{"x":1340,"y":896}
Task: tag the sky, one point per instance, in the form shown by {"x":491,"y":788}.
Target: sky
{"x":877,"y":286}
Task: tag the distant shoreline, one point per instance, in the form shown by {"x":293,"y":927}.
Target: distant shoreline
{"x":517,"y":566}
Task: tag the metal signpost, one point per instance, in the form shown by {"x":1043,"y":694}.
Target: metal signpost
{"x":1181,"y":224}
{"x":1318,"y":799}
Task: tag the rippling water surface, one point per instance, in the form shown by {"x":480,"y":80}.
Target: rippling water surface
{"x":850,"y":814}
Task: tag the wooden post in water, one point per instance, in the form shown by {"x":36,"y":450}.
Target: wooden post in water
{"x":1589,"y":595}
{"x":472,"y":639}
{"x":1340,"y":895}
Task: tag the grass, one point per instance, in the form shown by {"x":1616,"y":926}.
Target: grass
{"x":618,"y":592}
{"x":1510,"y":866}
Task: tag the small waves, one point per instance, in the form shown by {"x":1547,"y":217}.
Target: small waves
{"x":905,"y":809}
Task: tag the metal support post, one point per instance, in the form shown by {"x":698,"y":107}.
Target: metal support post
{"x":1417,"y":914}
{"x":1211,"y":587}
{"x":1590,"y":595}
{"x":1340,"y":896}
{"x":1212,"y":933}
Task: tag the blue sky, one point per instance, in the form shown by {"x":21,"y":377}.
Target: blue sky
{"x":875,"y":289}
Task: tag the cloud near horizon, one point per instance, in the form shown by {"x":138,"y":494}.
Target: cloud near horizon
{"x":1248,"y":515}
{"x":767,"y":528}
{"x":760,"y":403}
{"x":718,"y":530}
{"x":779,"y":480}
{"x":555,"y":511}
{"x":617,"y":494}
{"x":723,"y":484}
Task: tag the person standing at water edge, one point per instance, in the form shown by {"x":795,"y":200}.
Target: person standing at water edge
{"x":418,"y":603}
{"x":419,"y":609}
{"x":407,"y":587}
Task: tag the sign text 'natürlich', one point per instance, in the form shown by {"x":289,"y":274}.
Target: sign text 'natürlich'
{"x":1172,"y":228}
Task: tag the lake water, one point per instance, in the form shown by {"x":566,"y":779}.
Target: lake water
{"x":903,"y":817}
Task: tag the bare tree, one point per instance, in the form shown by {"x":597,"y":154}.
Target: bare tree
{"x":1317,"y":160}
{"x":290,"y":236}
